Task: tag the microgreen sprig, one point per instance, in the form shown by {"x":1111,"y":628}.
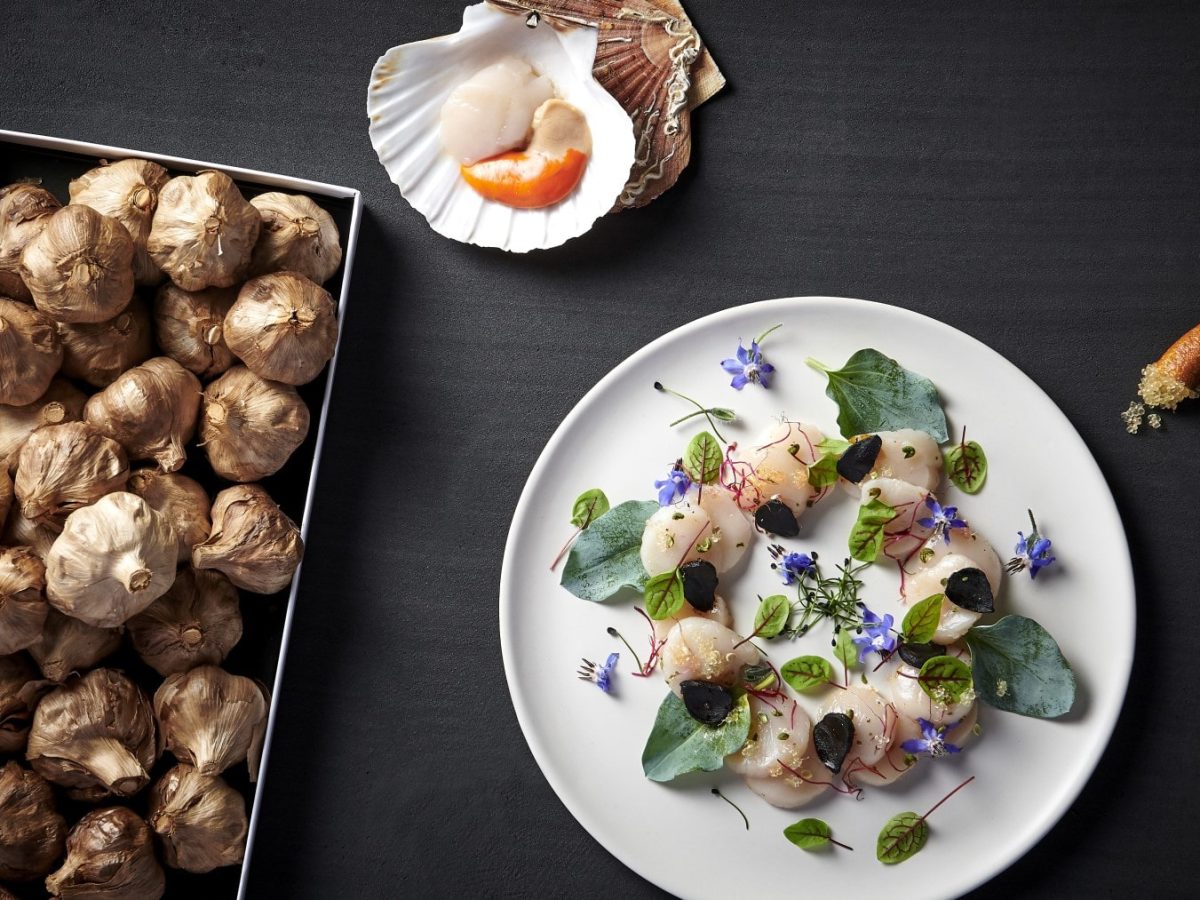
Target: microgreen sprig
{"x":821,"y":596}
{"x":720,"y":413}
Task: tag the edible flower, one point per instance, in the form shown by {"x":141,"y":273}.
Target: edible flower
{"x":601,"y":675}
{"x":1033,"y":552}
{"x":933,"y":740}
{"x":794,"y":566}
{"x":748,"y":367}
{"x":943,"y":518}
{"x":675,"y":484}
{"x":876,"y":636}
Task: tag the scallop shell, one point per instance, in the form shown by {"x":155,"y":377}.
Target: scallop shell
{"x":651,"y":59}
{"x":411,"y":82}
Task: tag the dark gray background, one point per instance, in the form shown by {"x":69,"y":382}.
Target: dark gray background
{"x":1026,"y":172}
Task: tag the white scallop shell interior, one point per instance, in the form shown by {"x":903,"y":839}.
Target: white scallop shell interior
{"x":410,"y":83}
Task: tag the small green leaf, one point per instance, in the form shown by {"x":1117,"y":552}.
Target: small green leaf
{"x":588,"y":506}
{"x":921,"y":622}
{"x":966,"y":465}
{"x":1020,"y":668}
{"x":804,"y":673}
{"x":866,"y":537}
{"x":702,"y":458}
{"x":832,"y":445}
{"x":808,"y":834}
{"x":663,"y":595}
{"x":721,"y":414}
{"x":772,"y":616}
{"x":608,"y":554}
{"x":823,"y":472}
{"x":678,"y":744}
{"x":945,"y":679}
{"x":902,"y":837}
{"x":845,"y":649}
{"x":875,"y":393}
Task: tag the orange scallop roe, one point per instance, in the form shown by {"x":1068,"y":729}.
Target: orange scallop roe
{"x":525,"y":179}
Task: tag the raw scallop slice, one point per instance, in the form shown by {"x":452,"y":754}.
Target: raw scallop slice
{"x":492,"y":111}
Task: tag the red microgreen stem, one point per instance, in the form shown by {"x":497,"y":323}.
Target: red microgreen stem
{"x":565,"y":548}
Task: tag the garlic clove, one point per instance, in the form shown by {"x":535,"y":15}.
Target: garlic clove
{"x":23,"y":604}
{"x":112,"y":560}
{"x":249,"y":426}
{"x":150,"y":410}
{"x":64,"y":467}
{"x":20,"y":691}
{"x":30,"y":353}
{"x":253,"y":541}
{"x":197,"y":622}
{"x":68,"y":646}
{"x":21,"y":532}
{"x":283,"y":327}
{"x":210,"y":719}
{"x":110,"y":856}
{"x":32,"y":833}
{"x":94,"y":736}
{"x":80,"y":268}
{"x":200,"y":820}
{"x":127,"y":191}
{"x":190,"y":327}
{"x":297,"y":235}
{"x":203,"y":232}
{"x":181,"y":499}
{"x":24,"y":211}
{"x":98,"y":353}
{"x":62,"y":402}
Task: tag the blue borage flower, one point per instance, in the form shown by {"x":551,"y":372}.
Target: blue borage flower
{"x":792,"y":566}
{"x":877,"y":635}
{"x":933,"y":740}
{"x":748,"y":367}
{"x":1033,"y":552}
{"x":675,"y":484}
{"x":601,"y":675}
{"x":943,"y":518}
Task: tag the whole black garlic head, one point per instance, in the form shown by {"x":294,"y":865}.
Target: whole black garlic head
{"x":32,"y":833}
{"x":197,"y":622}
{"x":110,"y":856}
{"x":64,"y":467}
{"x":212,"y":720}
{"x":253,"y":541}
{"x":297,"y":236}
{"x":62,"y":402}
{"x":182,"y":500}
{"x":68,"y":646}
{"x":30,"y":353}
{"x":203,"y":232}
{"x":283,"y":327}
{"x":95,"y":737}
{"x":128,"y":192}
{"x":20,"y":691}
{"x":199,"y":819}
{"x":80,"y":268}
{"x":24,"y":211}
{"x":23,"y":606}
{"x":190,"y":327}
{"x":113,"y":559}
{"x":250,"y":426}
{"x":98,"y":353}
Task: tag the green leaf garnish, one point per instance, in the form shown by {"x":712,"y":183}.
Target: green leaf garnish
{"x":966,"y":465}
{"x":678,"y":744}
{"x":824,"y":471}
{"x":875,"y":393}
{"x":866,"y":537}
{"x":921,"y":622}
{"x":588,"y":506}
{"x":607,"y":555}
{"x":702,"y":458}
{"x":902,"y":837}
{"x":832,"y":445}
{"x":772,"y":616}
{"x":945,"y":679}
{"x":845,"y":650}
{"x":811,"y":834}
{"x":663,"y":595}
{"x":1020,"y":668}
{"x":805,"y":673}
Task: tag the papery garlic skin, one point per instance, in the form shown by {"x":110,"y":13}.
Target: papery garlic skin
{"x":23,"y":604}
{"x":21,"y":532}
{"x":20,"y":691}
{"x":113,"y":559}
{"x":181,"y":499}
{"x":62,"y":402}
{"x":6,"y":492}
{"x":150,"y":410}
{"x":283,"y":327}
{"x":204,"y":231}
{"x":249,"y":426}
{"x":64,"y":467}
{"x":68,"y":646}
{"x":94,"y":736}
{"x":98,"y":353}
{"x":30,"y":352}
{"x":253,"y":541}
{"x":297,"y":235}
{"x":24,"y":211}
{"x":80,"y":268}
{"x":197,"y":622}
{"x":200,"y":820}
{"x":190,"y":327}
{"x":128,"y":192}
{"x":110,"y":856}
{"x":32,"y":833}
{"x":211,"y":719}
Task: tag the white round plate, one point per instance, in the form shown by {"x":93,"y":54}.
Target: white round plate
{"x":679,"y":835}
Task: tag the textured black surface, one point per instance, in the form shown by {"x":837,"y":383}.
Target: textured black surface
{"x":1027,"y":172}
